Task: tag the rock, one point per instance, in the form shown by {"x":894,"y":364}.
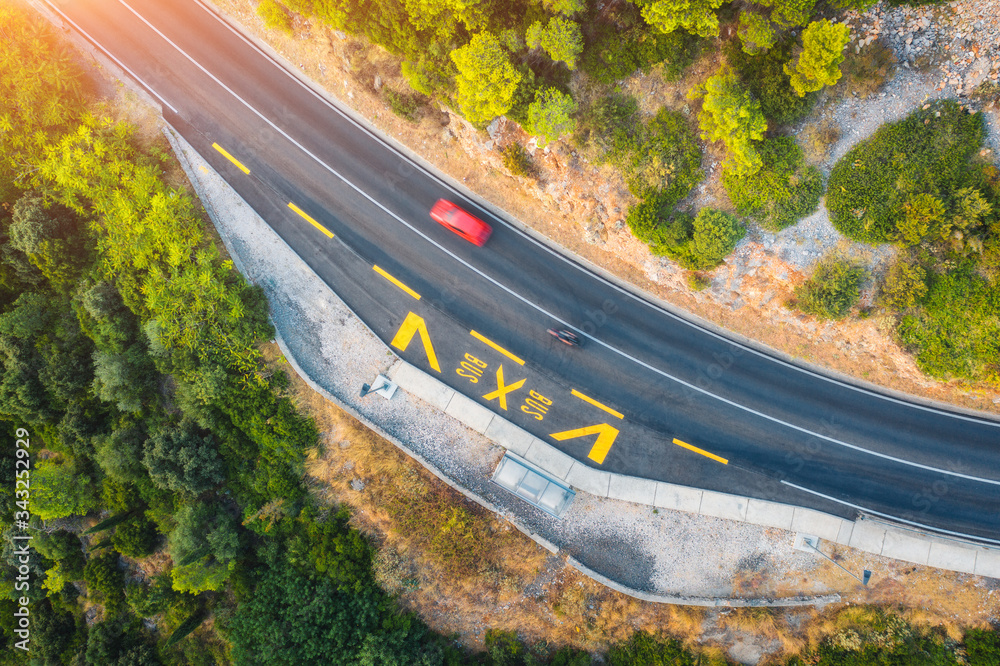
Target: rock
{"x":340,"y":34}
{"x":977,"y":73}
{"x":493,"y":129}
{"x":378,"y":82}
{"x":358,"y":484}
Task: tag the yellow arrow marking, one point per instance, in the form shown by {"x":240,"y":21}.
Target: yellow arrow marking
{"x":703,"y":452}
{"x":606,"y":435}
{"x":482,"y":338}
{"x":502,"y":390}
{"x":229,"y":157}
{"x":381,"y":271}
{"x":599,"y":405}
{"x":411,"y":325}
{"x":305,"y":216}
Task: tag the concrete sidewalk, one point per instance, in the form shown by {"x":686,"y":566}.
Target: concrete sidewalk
{"x":867,"y":534}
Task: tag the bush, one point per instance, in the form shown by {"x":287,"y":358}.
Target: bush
{"x":613,"y":53}
{"x":956,"y":331}
{"x":833,"y":289}
{"x":403,"y":105}
{"x":664,"y":159}
{"x":517,"y":160}
{"x":667,"y":233}
{"x":865,"y":71}
{"x":905,"y":285}
{"x":643,"y":649}
{"x":103,"y":576}
{"x":275,"y":16}
{"x":136,"y":538}
{"x":781,"y":192}
{"x":609,"y":126}
{"x":927,"y":152}
{"x":983,"y":647}
{"x":715,"y":235}
{"x":763,"y":75}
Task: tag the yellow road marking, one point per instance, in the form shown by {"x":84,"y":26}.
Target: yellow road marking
{"x":502,"y":389}
{"x":229,"y":157}
{"x":305,"y":216}
{"x":396,"y":282}
{"x":412,"y":325}
{"x":606,"y":435}
{"x":701,"y":451}
{"x":482,"y":338}
{"x":587,"y":398}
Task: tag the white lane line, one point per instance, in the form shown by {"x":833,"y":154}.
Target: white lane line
{"x":888,"y":516}
{"x":118,"y":62}
{"x":533,"y":305}
{"x":982,"y":420}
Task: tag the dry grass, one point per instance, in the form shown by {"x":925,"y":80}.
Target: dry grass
{"x":816,"y":139}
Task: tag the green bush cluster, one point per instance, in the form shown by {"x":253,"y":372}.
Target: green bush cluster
{"x":928,"y":153}
{"x":697,"y":243}
{"x":406,"y":106}
{"x":616,"y":50}
{"x":833,"y":289}
{"x":782,"y":191}
{"x":275,"y":16}
{"x":517,"y":160}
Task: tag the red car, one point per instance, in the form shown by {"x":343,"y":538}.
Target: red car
{"x":467,"y":226}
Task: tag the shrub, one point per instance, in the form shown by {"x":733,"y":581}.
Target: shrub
{"x":102,"y":575}
{"x":927,"y":152}
{"x":645,"y":649}
{"x":517,"y":160}
{"x":715,"y":235}
{"x":275,"y":16}
{"x":763,"y":75}
{"x":983,"y":647}
{"x":956,"y":330}
{"x":697,"y":281}
{"x":609,"y":126}
{"x":665,"y":158}
{"x":403,"y":105}
{"x":136,"y":538}
{"x":653,"y":222}
{"x":612,"y":54}
{"x":833,"y":289}
{"x":818,"y":63}
{"x":866,"y":70}
{"x":781,"y":192}
{"x":905,"y":285}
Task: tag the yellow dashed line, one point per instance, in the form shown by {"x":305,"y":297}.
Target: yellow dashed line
{"x":305,"y":216}
{"x":482,"y":338}
{"x":229,"y":157}
{"x":599,"y":405}
{"x":396,"y":282}
{"x":701,"y":451}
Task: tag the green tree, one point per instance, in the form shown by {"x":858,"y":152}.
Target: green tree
{"x":560,"y":38}
{"x":983,"y":647}
{"x":486,"y":78}
{"x":60,"y":489}
{"x":333,"y":549}
{"x":103,"y":576}
{"x":818,"y":64}
{"x":756,"y":32}
{"x":124,"y":379}
{"x":275,"y":16}
{"x":120,"y":641}
{"x":204,"y":547}
{"x":696,"y":16}
{"x":52,"y":238}
{"x":730,"y":114}
{"x":550,"y":116}
{"x":52,"y":633}
{"x":832,"y":290}
{"x":183,"y":459}
{"x":136,"y":537}
{"x":714,"y":236}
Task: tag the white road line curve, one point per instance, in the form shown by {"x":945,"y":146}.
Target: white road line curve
{"x":983,"y":420}
{"x":888,"y":516}
{"x":525,"y":300}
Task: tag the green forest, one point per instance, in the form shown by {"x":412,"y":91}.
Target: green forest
{"x":130,"y":348}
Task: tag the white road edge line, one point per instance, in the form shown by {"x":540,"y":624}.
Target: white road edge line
{"x":626,"y":292}
{"x":533,"y":305}
{"x":888,"y":516}
{"x":108,"y":53}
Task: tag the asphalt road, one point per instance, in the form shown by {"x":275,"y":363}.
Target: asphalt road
{"x":645,"y":379}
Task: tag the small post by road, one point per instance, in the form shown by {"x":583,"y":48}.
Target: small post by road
{"x":808,"y":541}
